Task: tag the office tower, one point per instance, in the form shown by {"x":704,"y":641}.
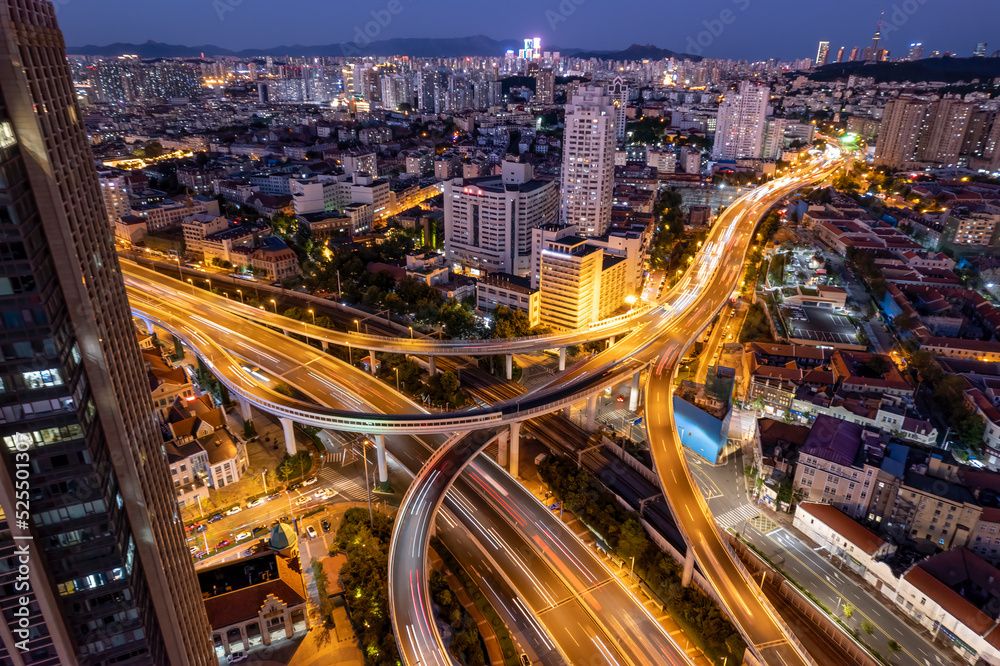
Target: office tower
{"x":980,"y":51}
{"x":488,"y":220}
{"x":114,"y":191}
{"x":395,"y":90}
{"x":619,"y":95}
{"x":110,"y":577}
{"x":347,"y":74}
{"x":532,"y":49}
{"x":370,"y":91}
{"x":840,"y":54}
{"x":823,"y":53}
{"x":916,"y":51}
{"x":126,"y":80}
{"x":854,"y":54}
{"x":944,"y":132}
{"x":545,"y":86}
{"x":739,"y":129}
{"x":588,"y":169}
{"x":902,"y":124}
{"x":977,"y":132}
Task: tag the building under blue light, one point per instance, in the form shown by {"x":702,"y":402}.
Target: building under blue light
{"x":699,"y":431}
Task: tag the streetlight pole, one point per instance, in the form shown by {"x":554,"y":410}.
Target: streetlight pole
{"x":313,"y":313}
{"x":263,"y":477}
{"x":358,"y":324}
{"x":368,"y":485}
{"x":275,"y":306}
{"x":397,"y":378}
{"x":191,"y":282}
{"x":240,"y":292}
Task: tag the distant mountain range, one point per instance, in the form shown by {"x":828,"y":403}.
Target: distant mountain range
{"x":420,"y":47}
{"x":947,"y":70}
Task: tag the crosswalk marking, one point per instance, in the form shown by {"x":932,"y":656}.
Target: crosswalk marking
{"x":736,"y":516}
{"x":347,"y":488}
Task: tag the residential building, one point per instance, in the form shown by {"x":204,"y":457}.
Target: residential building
{"x":275,"y":260}
{"x":198,"y":227}
{"x":823,"y":53}
{"x":843,"y":538}
{"x":836,"y":465}
{"x":512,"y":292}
{"x":488,"y":221}
{"x":545,"y":87}
{"x":257,"y":599}
{"x":739,"y":130}
{"x":169,"y":214}
{"x":110,"y":577}
{"x":114,"y":191}
{"x":200,"y":421}
{"x":588,"y":168}
{"x":902,"y":125}
{"x":619,"y":97}
{"x":934,"y":511}
{"x":166,"y":383}
{"x":977,"y":228}
{"x":944,"y":131}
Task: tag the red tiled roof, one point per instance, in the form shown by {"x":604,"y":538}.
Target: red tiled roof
{"x":844,"y":525}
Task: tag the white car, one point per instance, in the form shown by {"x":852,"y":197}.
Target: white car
{"x":234,"y":511}
{"x":256,"y":502}
{"x":243,"y":535}
{"x":311,"y":531}
{"x":236,"y":657}
{"x":323,"y":494}
{"x":310,"y":481}
{"x":302,"y":500}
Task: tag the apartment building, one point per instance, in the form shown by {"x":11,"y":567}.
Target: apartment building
{"x":512,"y":292}
{"x":588,"y":169}
{"x":837,"y":465}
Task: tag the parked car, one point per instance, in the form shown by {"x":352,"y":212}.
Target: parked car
{"x":216,"y":518}
{"x":192,"y":527}
{"x":310,"y":481}
{"x":311,"y":531}
{"x":248,"y":552}
{"x":273,"y":496}
{"x":236,"y":657}
{"x":524,"y":660}
{"x":260,"y":529}
{"x":235,"y":510}
{"x":302,"y":500}
{"x":326,"y":525}
{"x":194,"y":549}
{"x":256,"y":502}
{"x":243,"y":536}
{"x":294,"y":486}
{"x":222,"y":544}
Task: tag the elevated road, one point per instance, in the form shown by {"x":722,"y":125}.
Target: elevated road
{"x":144,"y":279}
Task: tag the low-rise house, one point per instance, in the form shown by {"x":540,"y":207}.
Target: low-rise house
{"x":275,"y":260}
{"x":167,"y":384}
{"x":510,"y":291}
{"x":857,"y":547}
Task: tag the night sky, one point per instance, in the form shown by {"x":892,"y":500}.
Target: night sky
{"x":752,"y":29}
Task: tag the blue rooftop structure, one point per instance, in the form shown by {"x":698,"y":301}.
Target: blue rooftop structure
{"x":699,"y":431}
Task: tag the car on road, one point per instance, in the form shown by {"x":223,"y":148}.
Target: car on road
{"x":256,"y":502}
{"x":302,"y":500}
{"x":242,"y":536}
{"x":192,"y":526}
{"x":216,"y":518}
{"x":260,"y":529}
{"x":326,"y":525}
{"x":194,"y":549}
{"x":222,"y":544}
{"x":294,"y":486}
{"x":248,"y":552}
{"x":310,"y":481}
{"x":273,"y":496}
{"x":235,"y":510}
{"x":524,"y":660}
{"x":236,"y":657}
{"x":323,"y":494}
{"x":311,"y":531}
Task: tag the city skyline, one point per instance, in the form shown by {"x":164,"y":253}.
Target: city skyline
{"x":574,"y":24}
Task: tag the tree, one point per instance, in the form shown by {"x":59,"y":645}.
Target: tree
{"x":848,"y":611}
{"x":877,"y":365}
{"x":894,"y":647}
{"x":906,"y":321}
{"x":284,"y":389}
{"x":510,"y":323}
{"x":868,"y":627}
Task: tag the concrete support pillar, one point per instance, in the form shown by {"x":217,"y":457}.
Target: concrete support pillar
{"x":149,"y":326}
{"x":383,"y":470}
{"x":562,"y":359}
{"x":325,"y":345}
{"x":509,"y":359}
{"x":371,"y":361}
{"x":515,"y":443}
{"x":289,"y":428}
{"x":611,"y":341}
{"x":688,"y":567}
{"x":431,"y":366}
{"x":591,"y":412}
{"x":245,"y":411}
{"x":503,"y":440}
{"x":568,"y":411}
{"x":633,"y":396}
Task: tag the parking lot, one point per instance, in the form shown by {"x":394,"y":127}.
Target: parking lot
{"x":820,"y":325}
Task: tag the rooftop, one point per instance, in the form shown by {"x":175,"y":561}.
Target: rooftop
{"x":844,"y":525}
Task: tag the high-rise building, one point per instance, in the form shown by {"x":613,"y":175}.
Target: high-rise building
{"x":488,"y":220}
{"x":944,"y":131}
{"x":545,"y":86}
{"x":774,"y":139}
{"x":840,"y":54}
{"x":108,"y":574}
{"x":114,"y":191}
{"x":916,"y":51}
{"x":823,"y":53}
{"x":902,"y":125}
{"x":619,"y":96}
{"x":980,"y":51}
{"x":854,"y":53}
{"x":739,"y":130}
{"x":588,"y":169}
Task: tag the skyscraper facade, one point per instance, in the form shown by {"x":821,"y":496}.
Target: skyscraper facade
{"x":619,"y":95}
{"x":823,"y":53}
{"x":902,"y":125}
{"x":739,"y":130}
{"x":109,"y":579}
{"x":944,"y":131}
{"x":588,"y":169}
{"x":545,"y":86}
{"x":916,"y":51}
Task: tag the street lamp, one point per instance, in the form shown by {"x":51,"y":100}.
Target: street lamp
{"x":358,"y":324}
{"x":263,"y":477}
{"x":275,"y":306}
{"x":411,"y":329}
{"x":240,"y":292}
{"x":192,"y":285}
{"x":397,"y":378}
{"x":313,"y":316}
